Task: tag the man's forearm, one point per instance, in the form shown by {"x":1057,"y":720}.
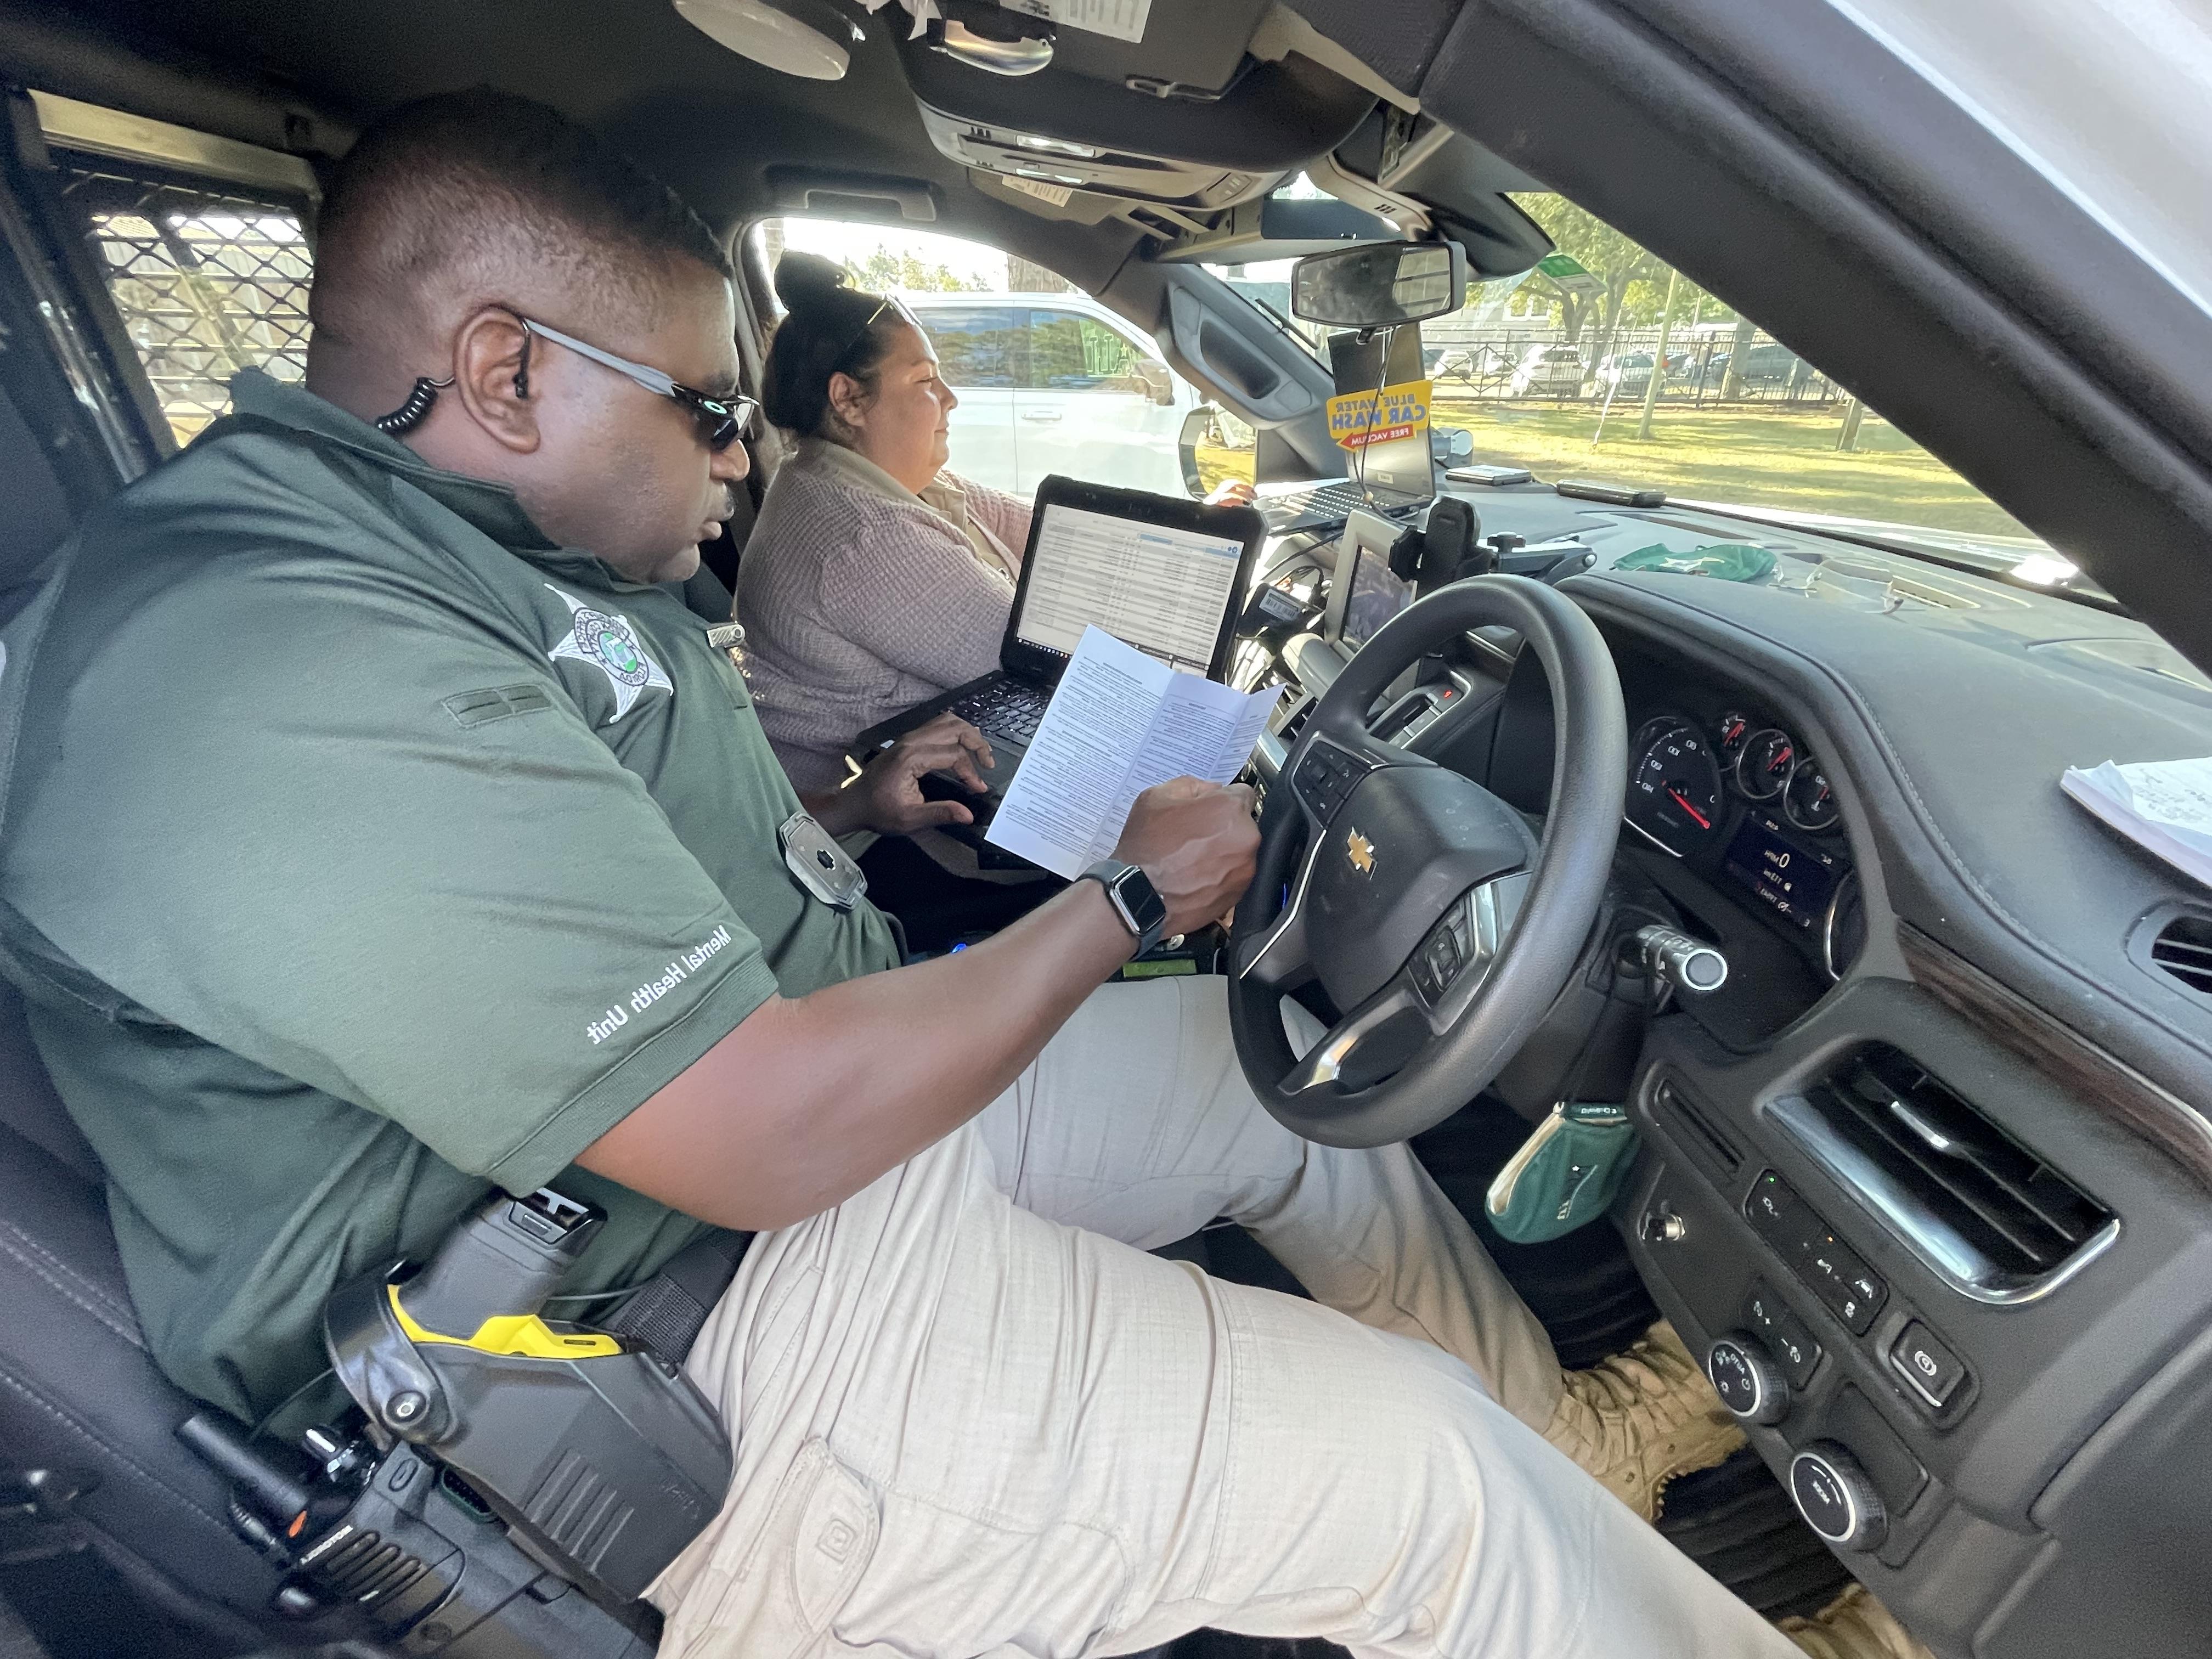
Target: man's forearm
{"x":810,"y":1099}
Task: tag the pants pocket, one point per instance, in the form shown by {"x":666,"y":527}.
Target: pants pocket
{"x":820,"y":1534}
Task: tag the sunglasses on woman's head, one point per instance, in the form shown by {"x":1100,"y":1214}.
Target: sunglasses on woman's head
{"x":722,"y":420}
{"x":889,"y":302}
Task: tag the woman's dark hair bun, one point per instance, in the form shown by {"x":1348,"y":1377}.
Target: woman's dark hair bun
{"x":833,"y":328}
{"x":802,"y":280}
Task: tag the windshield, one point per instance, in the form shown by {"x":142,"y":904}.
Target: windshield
{"x":1554,"y":370}
{"x":1731,"y":415}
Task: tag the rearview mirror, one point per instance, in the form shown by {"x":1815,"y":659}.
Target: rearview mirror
{"x":1379,"y":285}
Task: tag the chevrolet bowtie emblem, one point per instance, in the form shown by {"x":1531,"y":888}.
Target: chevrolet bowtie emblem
{"x":1361,"y":852}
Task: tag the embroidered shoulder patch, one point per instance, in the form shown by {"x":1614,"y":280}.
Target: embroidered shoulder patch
{"x":611,"y":645}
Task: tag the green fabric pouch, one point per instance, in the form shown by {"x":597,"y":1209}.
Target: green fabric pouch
{"x":1731,"y":562}
{"x":1564,"y":1175}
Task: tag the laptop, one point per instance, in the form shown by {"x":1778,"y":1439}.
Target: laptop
{"x":1163,"y":574}
{"x":1329,"y":504}
{"x":1396,"y":478}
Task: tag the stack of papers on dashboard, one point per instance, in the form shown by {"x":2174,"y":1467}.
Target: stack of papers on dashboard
{"x":1119,"y":722}
{"x":2163,"y":806}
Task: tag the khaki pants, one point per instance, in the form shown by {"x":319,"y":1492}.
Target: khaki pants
{"x":973,"y":1417}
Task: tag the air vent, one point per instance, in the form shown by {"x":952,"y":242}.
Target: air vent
{"x":2183,"y":949}
{"x":1990,"y":1216}
{"x":1296,"y":725}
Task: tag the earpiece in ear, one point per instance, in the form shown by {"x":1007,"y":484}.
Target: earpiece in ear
{"x":522,"y":369}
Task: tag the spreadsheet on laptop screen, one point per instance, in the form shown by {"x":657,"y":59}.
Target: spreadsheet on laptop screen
{"x":1163,"y":590}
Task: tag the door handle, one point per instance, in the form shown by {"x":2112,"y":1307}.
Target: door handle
{"x":1040,"y":414}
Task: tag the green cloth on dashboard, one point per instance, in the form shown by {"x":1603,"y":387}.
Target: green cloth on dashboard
{"x":365,"y":850}
{"x":1732,"y":561}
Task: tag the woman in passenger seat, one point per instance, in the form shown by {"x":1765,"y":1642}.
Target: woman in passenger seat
{"x":875,"y":578}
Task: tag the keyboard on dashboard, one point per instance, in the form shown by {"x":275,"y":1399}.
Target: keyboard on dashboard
{"x":1006,"y":706}
{"x":1326,"y":502}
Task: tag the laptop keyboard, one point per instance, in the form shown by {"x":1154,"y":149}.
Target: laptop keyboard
{"x":1335,"y":501}
{"x":1005,"y":706}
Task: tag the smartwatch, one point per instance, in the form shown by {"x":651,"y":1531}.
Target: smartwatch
{"x":1143,"y":911}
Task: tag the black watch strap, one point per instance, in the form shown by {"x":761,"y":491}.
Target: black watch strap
{"x":1130,"y":891}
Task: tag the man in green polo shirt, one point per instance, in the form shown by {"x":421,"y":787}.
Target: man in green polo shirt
{"x":379,"y":831}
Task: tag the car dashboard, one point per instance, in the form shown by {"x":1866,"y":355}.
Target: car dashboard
{"x":1931,"y":1170}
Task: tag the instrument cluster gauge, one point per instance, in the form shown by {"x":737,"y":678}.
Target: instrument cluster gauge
{"x":1675,"y":785}
{"x":1808,"y":802}
{"x":1762,"y":769}
{"x":1733,"y":730}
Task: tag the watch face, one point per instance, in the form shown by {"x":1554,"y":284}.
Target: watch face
{"x":1141,"y":899}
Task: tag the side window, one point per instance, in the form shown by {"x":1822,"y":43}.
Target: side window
{"x":208,"y":282}
{"x":1070,"y":352}
{"x":974,"y":348}
{"x":1016,"y":342}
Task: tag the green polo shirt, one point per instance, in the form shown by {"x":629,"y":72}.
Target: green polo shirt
{"x":365,"y":850}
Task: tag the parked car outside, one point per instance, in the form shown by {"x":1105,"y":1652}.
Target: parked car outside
{"x":1767,"y":366}
{"x":1549,"y":371}
{"x":1055,"y":383}
{"x":1628,"y":371}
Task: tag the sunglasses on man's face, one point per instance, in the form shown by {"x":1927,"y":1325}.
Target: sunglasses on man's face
{"x":722,"y":420}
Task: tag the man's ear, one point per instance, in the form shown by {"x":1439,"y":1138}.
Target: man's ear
{"x":492,"y":360}
{"x":849,"y":400}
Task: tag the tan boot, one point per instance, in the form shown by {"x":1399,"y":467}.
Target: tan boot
{"x":1854,"y":1626}
{"x":1638,"y":1420}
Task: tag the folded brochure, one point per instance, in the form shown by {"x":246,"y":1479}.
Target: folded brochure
{"x":2163,"y":806}
{"x":1119,"y":722}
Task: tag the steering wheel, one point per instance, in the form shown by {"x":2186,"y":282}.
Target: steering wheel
{"x":1420,"y":901}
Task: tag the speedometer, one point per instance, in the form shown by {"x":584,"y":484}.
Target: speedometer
{"x":1674,"y":786}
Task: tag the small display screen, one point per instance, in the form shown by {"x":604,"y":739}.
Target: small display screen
{"x":1792,"y":879}
{"x":1377,"y":596}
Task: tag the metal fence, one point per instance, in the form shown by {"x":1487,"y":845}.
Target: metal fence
{"x":206,"y":283}
{"x":1539,"y":362}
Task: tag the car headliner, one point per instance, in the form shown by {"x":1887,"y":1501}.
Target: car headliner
{"x":712,"y":123}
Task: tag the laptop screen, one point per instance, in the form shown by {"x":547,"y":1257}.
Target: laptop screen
{"x":1162,"y":589}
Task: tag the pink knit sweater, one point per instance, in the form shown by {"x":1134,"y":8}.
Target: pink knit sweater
{"x":860,"y":598}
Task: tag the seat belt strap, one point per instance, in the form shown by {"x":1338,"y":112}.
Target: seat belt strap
{"x":668,"y":1310}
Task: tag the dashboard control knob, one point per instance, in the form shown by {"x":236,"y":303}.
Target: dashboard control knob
{"x":1837,"y":1498}
{"x":1748,"y":1378}
{"x":1674,"y":958}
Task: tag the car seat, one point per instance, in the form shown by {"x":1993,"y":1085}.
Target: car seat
{"x":86,"y":1418}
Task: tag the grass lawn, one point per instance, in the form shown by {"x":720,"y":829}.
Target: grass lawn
{"x":1756,"y":457}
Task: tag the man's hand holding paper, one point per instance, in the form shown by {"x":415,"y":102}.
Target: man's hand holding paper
{"x":1197,"y":844}
{"x":1119,"y":723}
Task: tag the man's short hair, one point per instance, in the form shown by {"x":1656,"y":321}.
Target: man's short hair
{"x":483,"y":181}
